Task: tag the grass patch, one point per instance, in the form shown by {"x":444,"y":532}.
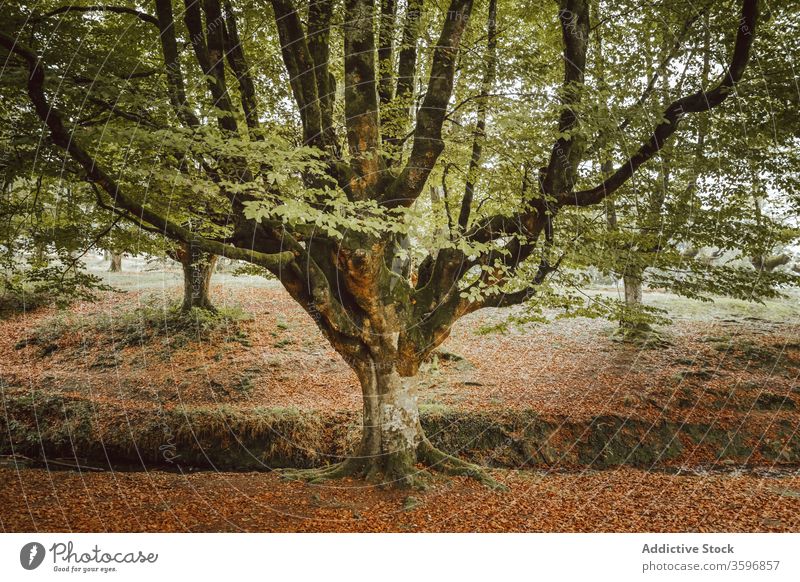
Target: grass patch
{"x":777,"y":310}
{"x":149,"y":322}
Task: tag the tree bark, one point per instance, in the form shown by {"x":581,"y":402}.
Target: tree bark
{"x":633,"y":289}
{"x":393,"y":443}
{"x":116,"y":263}
{"x":391,"y":432}
{"x":198,"y":267}
{"x":629,"y":322}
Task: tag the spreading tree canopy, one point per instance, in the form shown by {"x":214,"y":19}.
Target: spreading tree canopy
{"x":397,"y":165}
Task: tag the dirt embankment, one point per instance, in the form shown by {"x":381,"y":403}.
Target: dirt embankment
{"x":78,"y":431}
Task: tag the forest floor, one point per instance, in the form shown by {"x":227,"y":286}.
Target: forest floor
{"x":729,"y":364}
{"x":620,"y":500}
{"x":271,"y":354}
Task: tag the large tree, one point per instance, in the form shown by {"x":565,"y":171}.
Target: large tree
{"x":333,"y":208}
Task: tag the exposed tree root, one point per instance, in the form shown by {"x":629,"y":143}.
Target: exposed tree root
{"x":347,"y":468}
{"x":358,"y":468}
{"x":397,"y":475}
{"x":438,"y":460}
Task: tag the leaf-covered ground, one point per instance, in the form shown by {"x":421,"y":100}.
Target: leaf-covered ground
{"x":720,"y":366}
{"x":732,"y":365}
{"x":618,"y":500}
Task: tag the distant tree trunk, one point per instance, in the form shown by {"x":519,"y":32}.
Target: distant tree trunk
{"x":632,"y":281}
{"x":198,"y":267}
{"x":116,"y":263}
{"x":771,"y":262}
{"x":40,"y":253}
{"x":633,"y":289}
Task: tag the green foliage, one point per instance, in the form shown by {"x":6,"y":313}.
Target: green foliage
{"x":249,"y":269}
{"x":48,"y":224}
{"x":726,"y":184}
{"x":27,"y":290}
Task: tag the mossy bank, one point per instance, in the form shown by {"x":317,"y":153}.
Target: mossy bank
{"x":40,"y":426}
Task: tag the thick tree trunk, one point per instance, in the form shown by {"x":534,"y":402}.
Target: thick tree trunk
{"x":198,"y":267}
{"x":391,"y":434}
{"x":393,"y":442}
{"x":116,"y":263}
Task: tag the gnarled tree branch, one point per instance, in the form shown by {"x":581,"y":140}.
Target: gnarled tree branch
{"x":237,"y":60}
{"x":360,"y":96}
{"x":300,"y":66}
{"x":62,"y":138}
{"x":172,"y":64}
{"x":479,"y":135}
{"x":697,"y":102}
{"x":428,"y":144}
